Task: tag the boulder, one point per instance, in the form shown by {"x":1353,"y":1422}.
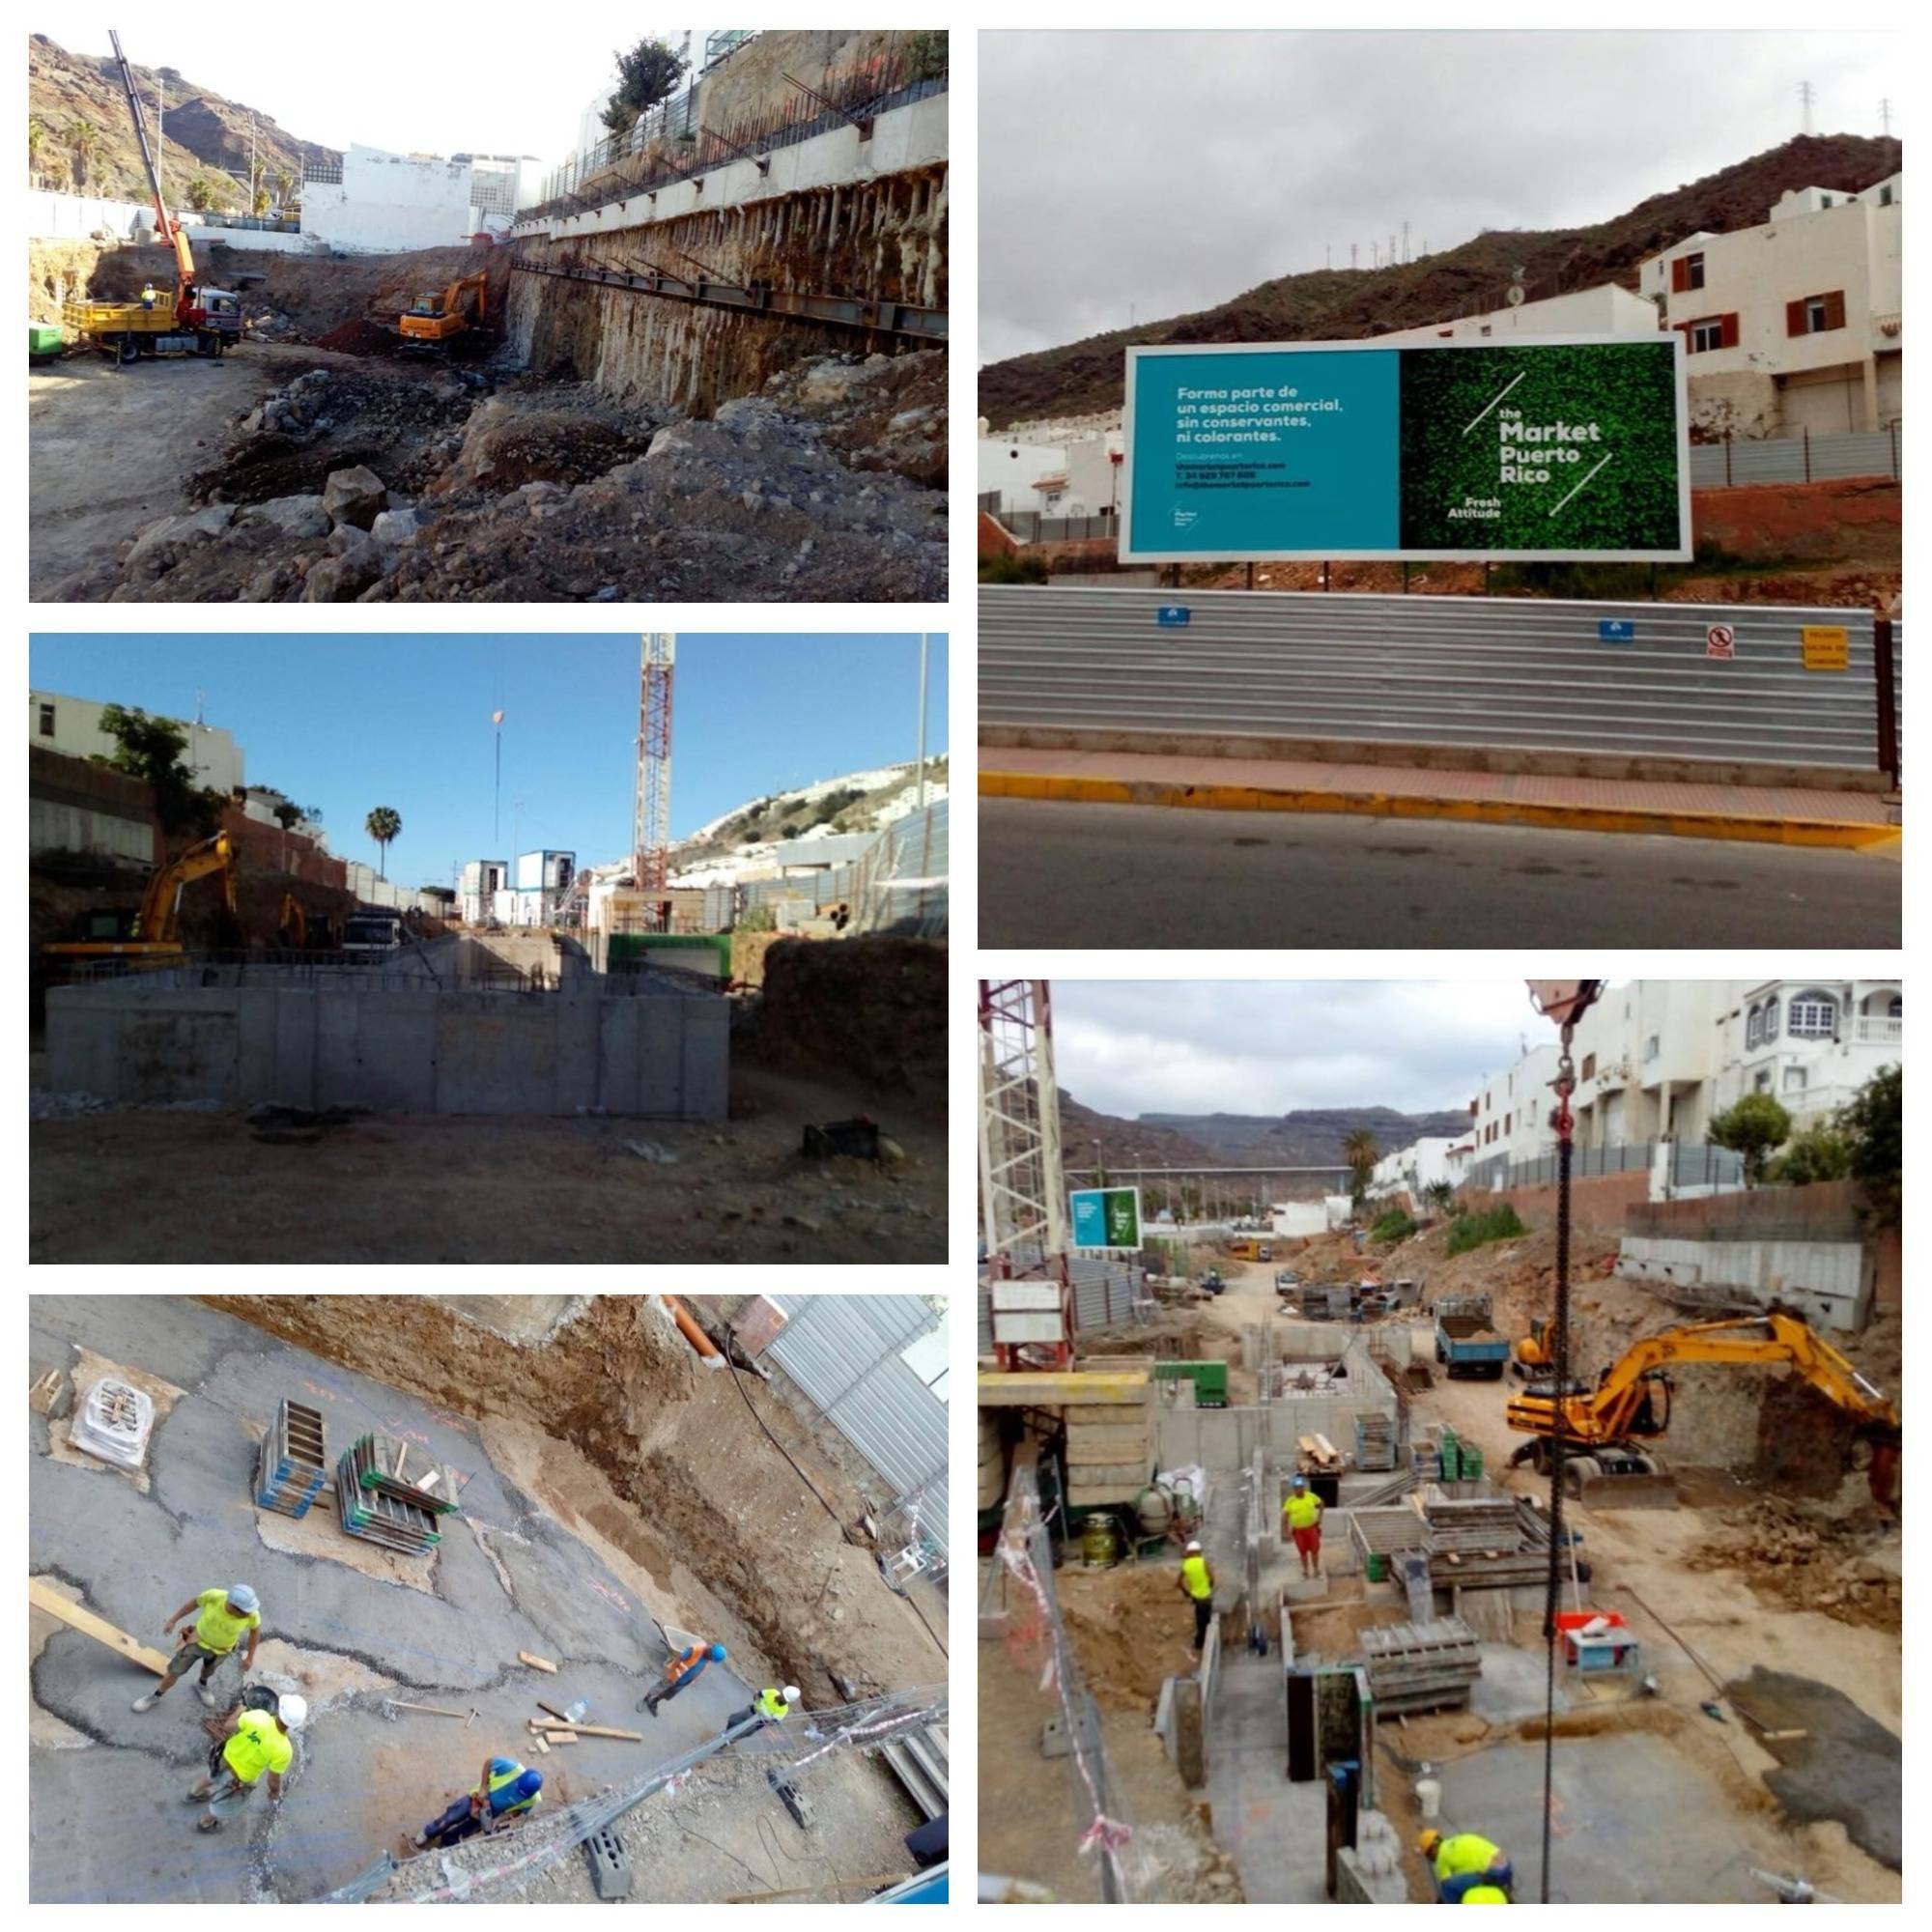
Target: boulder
{"x":294,"y":516}
{"x":396,"y":526}
{"x":356,"y":496}
{"x":337,"y":579}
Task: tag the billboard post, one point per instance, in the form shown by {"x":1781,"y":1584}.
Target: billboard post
{"x":1551,"y":449}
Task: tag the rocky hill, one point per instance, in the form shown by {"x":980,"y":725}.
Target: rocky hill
{"x":1122,"y":1143}
{"x":1344,"y":304}
{"x":1307,"y":1137}
{"x":207,"y":135}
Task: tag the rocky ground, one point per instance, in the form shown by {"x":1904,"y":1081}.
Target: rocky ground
{"x":379,"y":484}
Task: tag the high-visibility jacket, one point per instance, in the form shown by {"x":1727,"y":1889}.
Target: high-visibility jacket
{"x":1194,"y":1573}
{"x":1485,"y":1895}
{"x":1302,"y":1509}
{"x":772,"y":1704}
{"x":214,"y":1629}
{"x":259,"y":1744}
{"x":505,"y":1800}
{"x":687,"y":1663}
{"x":1465,"y":1852}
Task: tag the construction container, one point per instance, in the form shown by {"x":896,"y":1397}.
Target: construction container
{"x":1209,"y":1380}
{"x":43,"y":339}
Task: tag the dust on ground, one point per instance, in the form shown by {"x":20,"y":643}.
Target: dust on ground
{"x":430,"y":1188}
{"x":1131,"y":1630}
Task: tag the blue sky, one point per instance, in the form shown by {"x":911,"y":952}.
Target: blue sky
{"x":347,"y":723}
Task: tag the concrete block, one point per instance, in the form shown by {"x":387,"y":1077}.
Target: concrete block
{"x":1188,"y":1736}
{"x":578,"y":1057}
{"x":660,"y":1058}
{"x":707,"y":1073}
{"x":291,"y":1080}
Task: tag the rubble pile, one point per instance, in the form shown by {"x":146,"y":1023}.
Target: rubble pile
{"x":348,"y":486}
{"x":1846,"y":1562}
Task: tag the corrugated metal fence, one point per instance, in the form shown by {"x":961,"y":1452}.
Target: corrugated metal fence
{"x":898,"y":884}
{"x":1531,"y":674}
{"x":1795,"y":458}
{"x":843,"y":1351}
{"x":1693,"y":1164}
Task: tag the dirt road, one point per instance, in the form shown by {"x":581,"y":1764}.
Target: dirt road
{"x":145,"y":427}
{"x":400,"y":1189}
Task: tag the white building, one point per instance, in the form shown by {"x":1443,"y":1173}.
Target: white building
{"x":1794,"y":325}
{"x":1076,"y":478}
{"x":378,"y":203}
{"x":72,"y":726}
{"x":539,"y":884}
{"x":1429,"y":1163}
{"x":481,"y":880}
{"x":1809,"y":1043}
{"x":1604,"y":311}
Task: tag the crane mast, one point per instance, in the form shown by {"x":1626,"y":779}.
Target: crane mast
{"x":171,"y":229}
{"x":650,"y":829}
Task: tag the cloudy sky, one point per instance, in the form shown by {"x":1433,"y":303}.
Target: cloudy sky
{"x":1161,"y":172}
{"x":1148,"y":1046}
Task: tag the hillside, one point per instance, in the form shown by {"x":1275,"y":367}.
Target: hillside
{"x":1346,"y":305}
{"x":1307,"y":1137}
{"x":1125,"y":1143}
{"x":207,"y":135}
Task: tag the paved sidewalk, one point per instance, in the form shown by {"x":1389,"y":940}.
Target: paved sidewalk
{"x":1777,"y":814}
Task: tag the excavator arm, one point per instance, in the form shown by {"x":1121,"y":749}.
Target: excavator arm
{"x":159,"y":919}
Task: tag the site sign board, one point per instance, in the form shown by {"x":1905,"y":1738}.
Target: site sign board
{"x":1107,"y":1218}
{"x":1550,"y":449}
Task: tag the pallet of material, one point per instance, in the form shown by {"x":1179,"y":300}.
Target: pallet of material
{"x":1092,"y":1442}
{"x":292,"y":1464}
{"x":1491,"y":1569}
{"x":379,"y":1461}
{"x":381,"y":1519}
{"x":1375,"y":1440}
{"x":1316,"y":1454}
{"x":1381,"y":1532}
{"x":1061,"y":1388}
{"x":1422,"y":1666}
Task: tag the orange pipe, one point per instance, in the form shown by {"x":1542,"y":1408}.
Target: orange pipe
{"x":693,"y":1334}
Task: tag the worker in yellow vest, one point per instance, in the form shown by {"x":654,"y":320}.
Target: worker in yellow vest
{"x":223,"y":1618}
{"x":1302,"y":1517}
{"x":1465,"y":1864}
{"x":770,"y":1706}
{"x":506,"y":1795}
{"x":257,"y":1741}
{"x":1197,"y":1584}
{"x":1486,"y":1894}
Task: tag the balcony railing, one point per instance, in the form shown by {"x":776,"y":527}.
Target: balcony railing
{"x":1874,"y":1032}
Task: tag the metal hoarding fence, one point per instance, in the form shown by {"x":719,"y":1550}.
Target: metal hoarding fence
{"x":845,"y":1352}
{"x":1797,"y":459}
{"x":1698,"y":681}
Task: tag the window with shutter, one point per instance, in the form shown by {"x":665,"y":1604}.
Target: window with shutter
{"x":1834,"y":309}
{"x":1680,"y":274}
{"x":1731,"y":335}
{"x":1794,"y":318}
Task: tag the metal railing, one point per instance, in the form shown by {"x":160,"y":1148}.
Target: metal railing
{"x":1693,"y":1164}
{"x":1612,"y":678}
{"x":1032,"y":526}
{"x":1803,"y":458}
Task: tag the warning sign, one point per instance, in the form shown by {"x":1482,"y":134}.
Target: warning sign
{"x":1721,"y":642}
{"x":1826,"y":646}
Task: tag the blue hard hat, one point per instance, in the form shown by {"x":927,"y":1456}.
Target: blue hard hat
{"x":718,"y":1653}
{"x":245,"y":1599}
{"x":530,"y":1783}
{"x":1301,"y":1482}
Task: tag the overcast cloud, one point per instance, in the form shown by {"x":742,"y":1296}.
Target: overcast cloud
{"x":1167,"y":171}
{"x":1157,"y":1046}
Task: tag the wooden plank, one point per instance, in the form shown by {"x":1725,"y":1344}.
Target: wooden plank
{"x":43,"y":1597}
{"x":1120,"y":1444}
{"x":1050,"y":1388}
{"x":593,"y":1731}
{"x":543,"y":1744}
{"x":536,"y":1662}
{"x":1085,"y":1475}
{"x":553,"y":1710}
{"x":560,"y":1738}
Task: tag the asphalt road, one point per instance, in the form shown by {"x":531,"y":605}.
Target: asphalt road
{"x":1145,"y":876}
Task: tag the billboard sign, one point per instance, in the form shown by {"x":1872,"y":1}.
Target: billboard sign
{"x":1107,"y":1218}
{"x":1553,"y":449}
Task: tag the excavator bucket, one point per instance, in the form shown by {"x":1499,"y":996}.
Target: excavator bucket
{"x":1595,"y":1487}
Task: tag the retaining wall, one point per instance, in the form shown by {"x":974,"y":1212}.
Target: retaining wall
{"x":660,"y":1055}
{"x":1829,"y":1282}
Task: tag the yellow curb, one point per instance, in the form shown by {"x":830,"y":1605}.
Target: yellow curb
{"x":1469,"y":810}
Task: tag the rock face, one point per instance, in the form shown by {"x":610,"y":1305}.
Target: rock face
{"x":356,"y":496}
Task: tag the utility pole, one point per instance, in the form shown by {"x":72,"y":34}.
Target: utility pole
{"x":1352,"y":254}
{"x":1329,"y":254}
{"x":1884,"y":118}
{"x":922,"y":719}
{"x":1404,"y":241}
{"x":496,"y":807}
{"x":1806,"y":96}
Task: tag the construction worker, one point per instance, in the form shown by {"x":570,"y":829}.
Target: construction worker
{"x":1486,"y":1894}
{"x":224,"y":1616}
{"x":258,"y":1741}
{"x":1302,"y":1517}
{"x":148,"y":297}
{"x":1465,"y":1863}
{"x":771,"y":1705}
{"x":506,"y":1795}
{"x":1197,"y":1584}
{"x":254,"y":1697}
{"x":683,"y":1669}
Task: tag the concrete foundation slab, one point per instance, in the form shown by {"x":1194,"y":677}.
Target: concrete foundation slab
{"x":1276,"y":1832}
{"x":1636,"y":1822}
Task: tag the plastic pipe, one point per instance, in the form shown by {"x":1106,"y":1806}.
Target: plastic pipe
{"x":700,"y":1342}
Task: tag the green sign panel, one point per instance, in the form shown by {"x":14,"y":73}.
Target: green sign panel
{"x":1548,"y":448}
{"x":1107,"y":1217}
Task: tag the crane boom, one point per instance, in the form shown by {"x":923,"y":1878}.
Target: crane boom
{"x":176,"y":235}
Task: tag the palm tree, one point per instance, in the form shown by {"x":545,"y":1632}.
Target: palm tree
{"x":200,"y":194}
{"x":83,"y":146}
{"x":285,"y":188}
{"x":1360,"y":1151}
{"x":260,"y":199}
{"x":385,"y":825}
{"x":37,"y":134}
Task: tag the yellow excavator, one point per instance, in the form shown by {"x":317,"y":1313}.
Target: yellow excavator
{"x":1529,"y":1354}
{"x":436,"y":320}
{"x":1600,"y":1427}
{"x":151,"y":935}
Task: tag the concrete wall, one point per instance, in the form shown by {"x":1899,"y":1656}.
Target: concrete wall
{"x":656,"y":1056}
{"x":1829,"y":1282}
{"x":76,"y":807}
{"x":1602,"y":1203}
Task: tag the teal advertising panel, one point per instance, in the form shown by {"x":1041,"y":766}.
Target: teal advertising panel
{"x":1570,"y":449}
{"x":1107,"y":1217}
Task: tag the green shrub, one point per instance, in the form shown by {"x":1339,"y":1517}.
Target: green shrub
{"x":1394,"y":1226}
{"x":1013,"y":567}
{"x":1476,"y":1229}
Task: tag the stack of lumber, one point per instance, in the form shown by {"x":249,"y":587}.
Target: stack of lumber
{"x":373,"y":1513}
{"x":1316,"y":1455}
{"x":1109,"y":1418}
{"x":380,"y":1463}
{"x":553,"y":1728}
{"x":1470,"y":1523}
{"x":1426,"y":1666}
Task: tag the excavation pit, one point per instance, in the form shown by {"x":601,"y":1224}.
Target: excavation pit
{"x":415,"y":1039}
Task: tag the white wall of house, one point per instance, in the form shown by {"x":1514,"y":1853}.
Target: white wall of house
{"x":1604,"y":311}
{"x":72,"y":726}
{"x":1809,"y":1043}
{"x":388,"y":202}
{"x":1755,"y":375}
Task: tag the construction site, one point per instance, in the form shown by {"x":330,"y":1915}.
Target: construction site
{"x":703,"y":360}
{"x":1299,"y":1583}
{"x":426,"y":1533}
{"x":728,"y":1046}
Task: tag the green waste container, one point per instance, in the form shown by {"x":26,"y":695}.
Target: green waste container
{"x":1378,"y":1566}
{"x":43,"y":339}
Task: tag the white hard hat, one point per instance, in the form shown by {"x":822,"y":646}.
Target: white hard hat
{"x":292,"y":1711}
{"x":791,"y":1694}
{"x":1194,"y":1550}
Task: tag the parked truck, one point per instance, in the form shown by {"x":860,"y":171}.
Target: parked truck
{"x":1465,"y":1341}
